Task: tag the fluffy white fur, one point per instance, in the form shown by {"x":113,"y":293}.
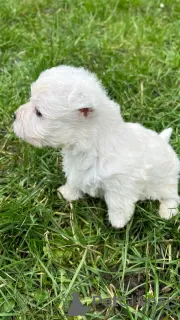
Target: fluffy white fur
{"x":103,"y":156}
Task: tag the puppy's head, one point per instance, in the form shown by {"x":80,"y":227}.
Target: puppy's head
{"x":63,"y":101}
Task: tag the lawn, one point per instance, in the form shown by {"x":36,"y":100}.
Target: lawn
{"x":49,"y":249}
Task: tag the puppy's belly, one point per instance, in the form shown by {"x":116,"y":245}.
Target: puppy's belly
{"x":93,"y":190}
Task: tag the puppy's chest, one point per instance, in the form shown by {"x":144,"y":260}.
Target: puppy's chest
{"x":83,"y":171}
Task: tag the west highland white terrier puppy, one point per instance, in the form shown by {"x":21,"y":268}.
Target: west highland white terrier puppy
{"x":103,"y":156}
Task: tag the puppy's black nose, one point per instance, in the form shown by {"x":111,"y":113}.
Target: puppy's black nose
{"x":14,"y":116}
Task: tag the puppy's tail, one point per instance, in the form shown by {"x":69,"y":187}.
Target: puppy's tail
{"x":166,"y":134}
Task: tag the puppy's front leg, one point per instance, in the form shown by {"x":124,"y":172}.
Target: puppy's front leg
{"x":69,"y":192}
{"x":120,"y":208}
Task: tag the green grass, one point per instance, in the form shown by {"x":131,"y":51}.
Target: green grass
{"x":47,"y":249}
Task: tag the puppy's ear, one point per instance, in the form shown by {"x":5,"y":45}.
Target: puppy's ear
{"x":80,"y":99}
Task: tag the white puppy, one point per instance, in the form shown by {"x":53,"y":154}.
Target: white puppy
{"x":103,"y":156}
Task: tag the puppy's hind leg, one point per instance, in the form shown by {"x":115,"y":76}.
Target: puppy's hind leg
{"x":120,"y":208}
{"x":169,"y":202}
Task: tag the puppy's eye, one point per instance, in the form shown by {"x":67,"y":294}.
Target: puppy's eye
{"x":38,"y":113}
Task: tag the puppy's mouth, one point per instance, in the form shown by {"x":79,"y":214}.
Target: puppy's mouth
{"x":20,"y":133}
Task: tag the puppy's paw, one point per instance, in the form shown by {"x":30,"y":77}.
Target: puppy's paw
{"x":168,"y":209}
{"x":69,"y":193}
{"x":118,"y":223}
